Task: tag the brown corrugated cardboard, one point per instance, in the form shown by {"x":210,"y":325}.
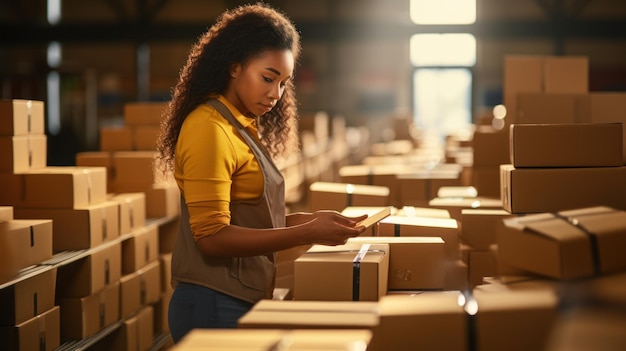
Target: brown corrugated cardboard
{"x":6,"y":213}
{"x":552,"y":108}
{"x":456,"y":205}
{"x":140,"y":248}
{"x":29,"y":240}
{"x":140,"y":288}
{"x":82,"y":227}
{"x":135,"y":333}
{"x":119,"y":138}
{"x":163,"y":200}
{"x":99,"y":159}
{"x":337,"y":196}
{"x":534,"y":190}
{"x":480,"y":225}
{"x":21,"y":117}
{"x":491,"y":147}
{"x":23,"y":153}
{"x":566,"y":145}
{"x":28,"y":298}
{"x":42,"y":332}
{"x":606,"y":107}
{"x":342,"y":273}
{"x":132,"y":211}
{"x":143,"y":113}
{"x":145,"y":137}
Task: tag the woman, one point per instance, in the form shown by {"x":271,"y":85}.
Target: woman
{"x":233,"y":112}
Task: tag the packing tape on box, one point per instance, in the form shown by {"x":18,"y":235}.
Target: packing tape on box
{"x":593,"y":240}
{"x":470,"y":305}
{"x":356,"y":271}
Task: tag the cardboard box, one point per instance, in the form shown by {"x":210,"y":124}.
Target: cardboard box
{"x":462,"y":191}
{"x":30,"y":241}
{"x":350,"y":272}
{"x":22,"y":153}
{"x":12,"y":189}
{"x":21,"y":117}
{"x":145,"y":137}
{"x":136,"y":171}
{"x":6,"y":213}
{"x":414,"y":262}
{"x":552,"y":108}
{"x":81,"y":227}
{"x":85,"y":316}
{"x":480,"y":264}
{"x":117,"y":138}
{"x":456,"y":205}
{"x":101,"y":268}
{"x":135,"y":332}
{"x":444,"y":228}
{"x":64,"y":187}
{"x":606,"y":107}
{"x":168,"y":231}
{"x":374,"y":216}
{"x":140,"y":248}
{"x":536,"y":190}
{"x":163,"y":201}
{"x":574,"y":244}
{"x":480,"y":226}
{"x":428,"y":321}
{"x":566,"y":145}
{"x":140,"y":288}
{"x":491,"y":147}
{"x":419,"y":187}
{"x":99,"y":159}
{"x":143,"y":113}
{"x":27,"y":298}
{"x":457,"y":276}
{"x":337,"y":196}
{"x":486,"y":180}
{"x":42,"y":332}
{"x":380,"y":175}
{"x":262,"y":340}
{"x":166,"y":272}
{"x":132,"y":211}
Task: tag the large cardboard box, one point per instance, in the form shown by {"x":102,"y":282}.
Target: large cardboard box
{"x":490,"y":146}
{"x":29,"y":241}
{"x":571,"y":244}
{"x":337,"y":196}
{"x":415,"y":263}
{"x":42,"y":332}
{"x":28,"y":297}
{"x":480,"y":226}
{"x":22,"y":153}
{"x":552,"y":108}
{"x":350,"y":272}
{"x":140,"y":248}
{"x":64,"y":187}
{"x":87,"y":275}
{"x":140,"y":288}
{"x":81,"y":227}
{"x":566,"y":145}
{"x":535,"y":190}
{"x":132,"y":211}
{"x":144,"y":113}
{"x":85,"y":316}
{"x":21,"y":117}
{"x":445,"y":228}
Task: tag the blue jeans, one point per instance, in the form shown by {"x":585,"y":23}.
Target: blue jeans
{"x":193,"y":306}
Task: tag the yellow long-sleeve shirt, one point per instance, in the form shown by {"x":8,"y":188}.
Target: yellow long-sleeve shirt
{"x":214,"y":165}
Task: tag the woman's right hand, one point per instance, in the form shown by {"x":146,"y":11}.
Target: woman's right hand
{"x":332,"y":228}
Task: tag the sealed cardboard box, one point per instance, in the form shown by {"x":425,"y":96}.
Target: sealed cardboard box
{"x":552,"y":108}
{"x":99,"y":159}
{"x":140,"y":248}
{"x":414,"y":262}
{"x":566,"y":145}
{"x":143,"y":113}
{"x":428,"y":321}
{"x":87,"y":275}
{"x":536,"y":190}
{"x":380,"y":175}
{"x":350,"y":272}
{"x":374,"y":216}
{"x":135,"y":332}
{"x":419,"y":187}
{"x":28,"y":297}
{"x":566,"y":74}
{"x":132,"y":211}
{"x":21,"y":117}
{"x":12,"y":189}
{"x":608,"y":107}
{"x":64,"y":187}
{"x":29,"y":240}
{"x":163,"y":201}
{"x":337,"y":196}
{"x":82,"y":227}
{"x":85,"y":316}
{"x":42,"y":332}
{"x":22,"y":153}
{"x":145,"y":137}
{"x":456,"y":205}
{"x":140,"y":288}
{"x":6,"y":213}
{"x":135,"y":171}
{"x":491,"y":147}
{"x":571,"y":244}
{"x":119,"y":138}
{"x":445,"y":228}
{"x":480,"y":226}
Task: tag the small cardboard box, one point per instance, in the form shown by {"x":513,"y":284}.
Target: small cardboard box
{"x":116,"y":138}
{"x":163,"y":201}
{"x":64,"y":187}
{"x":380,"y":175}
{"x":419,"y":187}
{"x":445,"y":228}
{"x":140,"y":248}
{"x":22,"y":153}
{"x":136,"y":332}
{"x":350,"y":272}
{"x":87,"y":275}
{"x":132,"y":211}
{"x":42,"y":332}
{"x":99,"y":159}
{"x":480,"y":226}
{"x":144,"y":113}
{"x":145,"y":137}
{"x":572,"y":244}
{"x":140,"y":288}
{"x":85,"y":316}
{"x":566,"y":145}
{"x":21,"y":117}
{"x":490,"y":146}
{"x":28,"y":298}
{"x":456,"y":205}
{"x":6,"y":213}
{"x":135,"y":171}
{"x":30,"y":241}
{"x":537,"y":190}
{"x":374,"y":216}
{"x":337,"y":196}
{"x":82,"y":227}
{"x":415,"y":263}
{"x":552,"y":108}
{"x":606,"y":107}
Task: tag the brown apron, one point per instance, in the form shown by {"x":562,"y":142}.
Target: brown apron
{"x":247,"y":278}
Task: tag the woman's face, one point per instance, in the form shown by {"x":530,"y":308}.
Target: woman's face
{"x":257,"y":85}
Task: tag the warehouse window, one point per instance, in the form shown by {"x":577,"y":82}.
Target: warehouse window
{"x":442,"y":80}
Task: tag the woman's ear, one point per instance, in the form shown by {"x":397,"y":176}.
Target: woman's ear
{"x":235,"y":69}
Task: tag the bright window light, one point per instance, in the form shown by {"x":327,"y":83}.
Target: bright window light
{"x":443,"y":11}
{"x":54,"y":11}
{"x":454,"y":49}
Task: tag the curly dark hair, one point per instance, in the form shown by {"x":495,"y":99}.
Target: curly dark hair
{"x":238,"y":35}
